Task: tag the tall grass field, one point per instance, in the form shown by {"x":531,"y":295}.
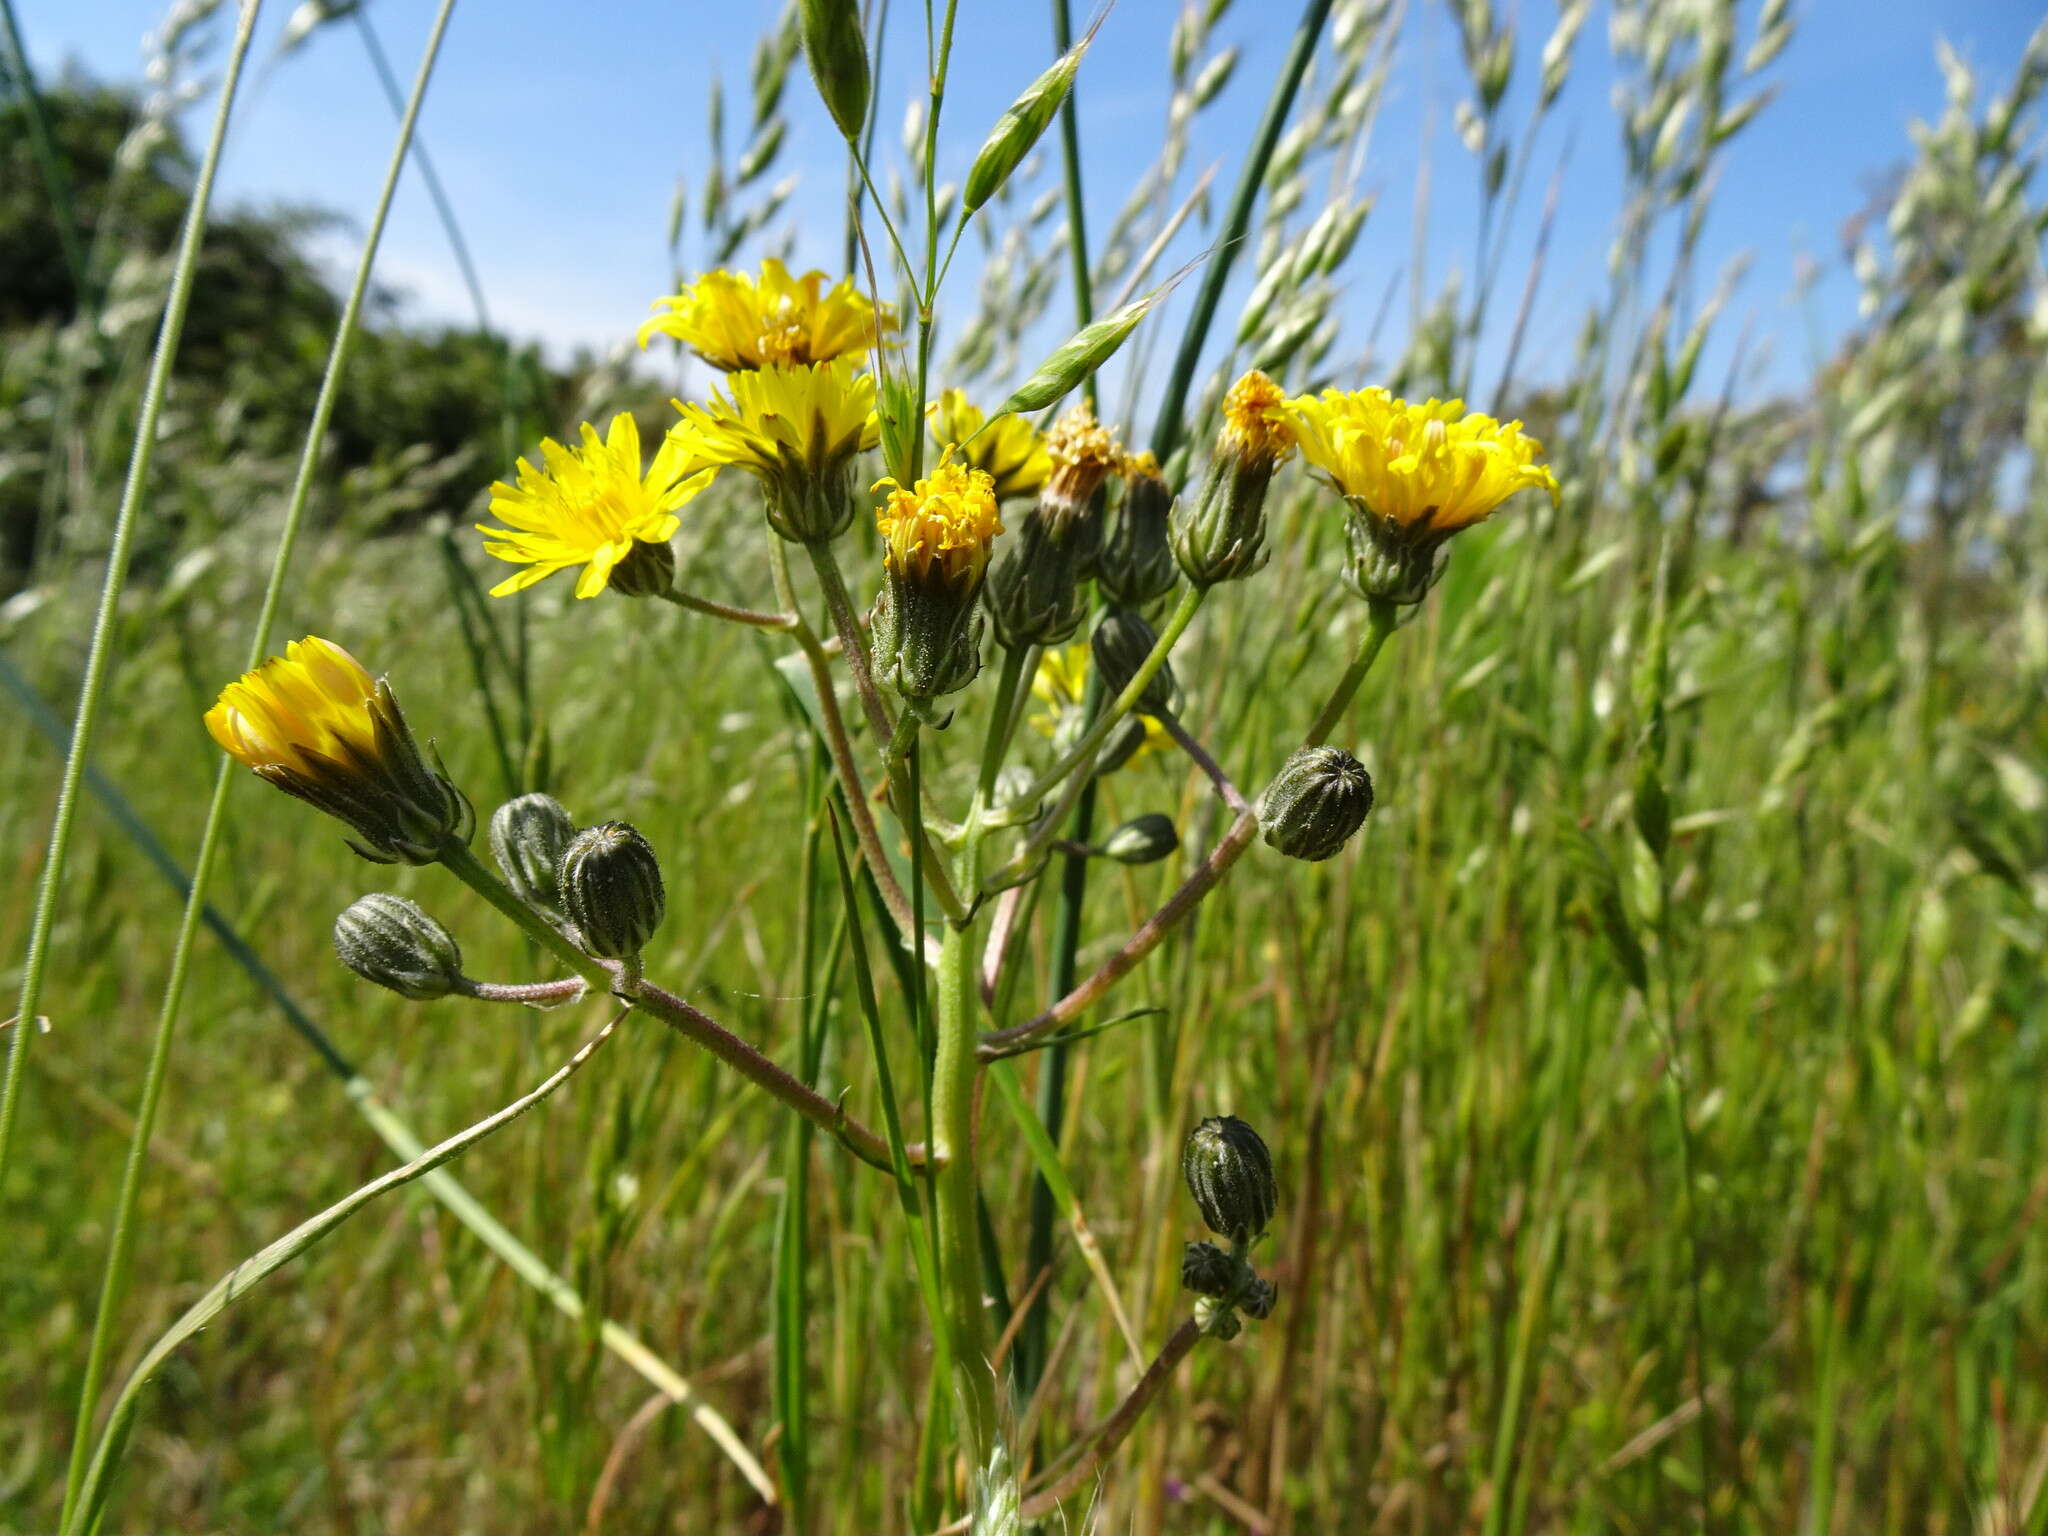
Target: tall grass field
{"x":1195,"y":852}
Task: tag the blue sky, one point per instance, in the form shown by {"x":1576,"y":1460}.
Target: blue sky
{"x":561,"y":130}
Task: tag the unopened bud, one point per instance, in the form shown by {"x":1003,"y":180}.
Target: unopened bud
{"x":1222,"y":536}
{"x":1257,"y":1300}
{"x":389,"y":940}
{"x":1230,"y":1174}
{"x":611,"y":890}
{"x":528,"y":838}
{"x":1207,"y":1270}
{"x":1216,"y":1318}
{"x":1122,"y":642}
{"x":1136,"y":566}
{"x":1142,"y":840}
{"x":1315,"y":803}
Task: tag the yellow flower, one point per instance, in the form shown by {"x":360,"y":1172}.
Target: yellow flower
{"x":317,"y":725}
{"x":1011,"y":451}
{"x":798,"y":427}
{"x":948,"y":521}
{"x":1255,"y":424}
{"x":1425,"y":467}
{"x":1061,"y":684}
{"x":733,"y":321}
{"x":590,"y":506}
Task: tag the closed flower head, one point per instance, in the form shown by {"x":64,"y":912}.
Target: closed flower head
{"x":734,"y":321}
{"x":935,"y":545}
{"x":1413,"y":475}
{"x":591,"y":506}
{"x":1010,"y":451}
{"x":1221,"y":534}
{"x":797,"y":427}
{"x":317,"y":725}
{"x":1135,"y":565}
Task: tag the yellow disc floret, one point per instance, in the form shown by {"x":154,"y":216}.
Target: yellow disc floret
{"x":948,"y":521}
{"x":589,"y":505}
{"x":735,"y":322}
{"x":1084,"y":453}
{"x":1431,"y":467}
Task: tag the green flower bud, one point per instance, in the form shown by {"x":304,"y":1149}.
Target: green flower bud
{"x":1034,"y":591}
{"x":1315,"y":803}
{"x":1142,"y":840}
{"x":388,"y":940}
{"x":1207,"y":1270}
{"x":611,"y":890}
{"x":1121,"y":644}
{"x":1230,"y":1174}
{"x":1136,"y":565}
{"x":528,"y":838}
{"x":1257,"y":1300}
{"x":1122,"y":746}
{"x":649,"y":570}
{"x":1222,"y":536}
{"x":935,"y":549}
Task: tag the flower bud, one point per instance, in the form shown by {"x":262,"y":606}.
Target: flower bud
{"x":1142,"y":840}
{"x":1256,"y":1301}
{"x":528,"y":837}
{"x":1034,"y":591}
{"x":1222,"y":537}
{"x":1230,"y":1174}
{"x":1135,"y":566}
{"x":389,"y":940}
{"x":1121,"y":644}
{"x":1207,"y":1270}
{"x":1315,"y":803}
{"x":1124,"y":743}
{"x":611,"y":889}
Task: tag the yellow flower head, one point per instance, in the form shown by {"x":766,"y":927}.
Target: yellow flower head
{"x":1084,"y":453}
{"x":734,"y":321}
{"x":1255,"y":423}
{"x":1011,"y":451}
{"x":798,"y":427}
{"x":590,"y":506}
{"x":948,"y":521}
{"x":1431,"y":468}
{"x":1061,"y":685}
{"x":317,"y":725}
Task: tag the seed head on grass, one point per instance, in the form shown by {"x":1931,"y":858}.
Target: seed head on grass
{"x":317,"y":725}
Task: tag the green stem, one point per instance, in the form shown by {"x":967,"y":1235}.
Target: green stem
{"x":1167,"y":434}
{"x":748,"y":616}
{"x":1383,"y":616}
{"x":953,"y":1074}
{"x":1084,"y":750}
{"x":84,"y":725}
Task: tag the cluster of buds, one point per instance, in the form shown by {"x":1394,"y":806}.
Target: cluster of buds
{"x":1230,"y":1174}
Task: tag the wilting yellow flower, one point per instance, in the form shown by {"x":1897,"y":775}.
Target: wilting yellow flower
{"x":798,"y":427}
{"x":1429,"y":466}
{"x":591,"y":506}
{"x":317,"y":725}
{"x":1011,"y":451}
{"x":1413,"y":475}
{"x":948,"y":521}
{"x":734,"y":321}
{"x":1255,"y":421}
{"x":1061,"y":685}
{"x":1084,"y":453}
